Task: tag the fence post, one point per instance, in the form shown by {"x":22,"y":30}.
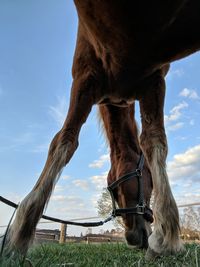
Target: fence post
{"x":63,"y":231}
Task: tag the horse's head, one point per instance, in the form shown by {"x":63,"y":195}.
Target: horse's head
{"x":132,"y":193}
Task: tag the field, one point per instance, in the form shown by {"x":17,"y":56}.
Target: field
{"x":96,"y":255}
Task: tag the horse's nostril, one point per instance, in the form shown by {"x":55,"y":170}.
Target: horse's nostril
{"x":137,"y":238}
{"x":132,"y":238}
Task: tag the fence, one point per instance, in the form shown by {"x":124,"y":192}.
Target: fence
{"x":64,"y":223}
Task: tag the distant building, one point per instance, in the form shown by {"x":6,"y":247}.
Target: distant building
{"x":47,"y":235}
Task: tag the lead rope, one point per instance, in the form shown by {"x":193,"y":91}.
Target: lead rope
{"x":6,"y":233}
{"x":84,"y":224}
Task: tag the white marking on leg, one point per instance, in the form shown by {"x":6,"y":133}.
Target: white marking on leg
{"x":165,"y":237}
{"x":31,"y":208}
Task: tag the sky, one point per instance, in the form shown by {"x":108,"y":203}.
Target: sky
{"x":37,"y":41}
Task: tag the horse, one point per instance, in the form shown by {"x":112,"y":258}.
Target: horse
{"x":123,"y":53}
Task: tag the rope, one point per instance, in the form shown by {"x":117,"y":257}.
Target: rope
{"x":84,"y":224}
{"x":6,"y":233}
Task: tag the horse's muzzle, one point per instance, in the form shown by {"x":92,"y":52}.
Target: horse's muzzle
{"x":137,"y":238}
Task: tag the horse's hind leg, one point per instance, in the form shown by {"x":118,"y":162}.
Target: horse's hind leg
{"x":61,"y":150}
{"x":165,"y":237}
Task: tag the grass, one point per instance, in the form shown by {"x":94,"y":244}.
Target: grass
{"x":96,"y":255}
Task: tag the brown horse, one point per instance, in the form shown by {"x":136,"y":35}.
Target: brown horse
{"x":122,"y":54}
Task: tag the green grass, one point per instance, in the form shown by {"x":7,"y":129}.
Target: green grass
{"x":91,"y":255}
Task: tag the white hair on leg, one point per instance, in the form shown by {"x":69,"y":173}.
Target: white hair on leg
{"x":165,"y":237}
{"x":31,"y":208}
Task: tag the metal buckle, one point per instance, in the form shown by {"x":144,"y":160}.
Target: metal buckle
{"x":113,"y":214}
{"x":140,"y":209}
{"x":138,"y":172}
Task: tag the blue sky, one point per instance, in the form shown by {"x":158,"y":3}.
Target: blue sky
{"x":36,"y":52}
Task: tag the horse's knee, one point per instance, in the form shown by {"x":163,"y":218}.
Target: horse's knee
{"x":63,"y":146}
{"x":154,"y":146}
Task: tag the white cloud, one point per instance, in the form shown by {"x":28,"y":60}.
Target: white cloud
{"x":181,"y":138}
{"x":175,"y":73}
{"x":59,"y":111}
{"x":58,"y":198}
{"x":82,"y":184}
{"x":64,"y":177}
{"x":187,"y":184}
{"x":188,"y":198}
{"x":58,"y":188}
{"x":185,"y":166}
{"x":175,"y":126}
{"x":185,"y":92}
{"x":184,"y":176}
{"x":70,"y":206}
{"x":41,"y":148}
{"x":192,"y":122}
{"x":70,"y":200}
{"x":189,"y":93}
{"x":94,"y":199}
{"x":19,"y":142}
{"x":175,"y":114}
{"x":100,"y":162}
{"x":100,"y":181}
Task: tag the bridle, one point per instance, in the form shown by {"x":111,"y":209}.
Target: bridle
{"x":141,"y":208}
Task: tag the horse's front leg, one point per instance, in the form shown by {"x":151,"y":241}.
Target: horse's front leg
{"x":165,"y":237}
{"x":61,"y":150}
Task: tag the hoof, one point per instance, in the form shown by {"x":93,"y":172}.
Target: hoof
{"x":151,"y":254}
{"x":6,"y":250}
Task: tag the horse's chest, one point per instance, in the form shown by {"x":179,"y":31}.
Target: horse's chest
{"x":119,"y":91}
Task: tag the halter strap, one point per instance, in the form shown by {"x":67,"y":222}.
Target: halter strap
{"x":122,"y":179}
{"x":136,"y":173}
{"x":141,"y":208}
{"x":140,"y":165}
